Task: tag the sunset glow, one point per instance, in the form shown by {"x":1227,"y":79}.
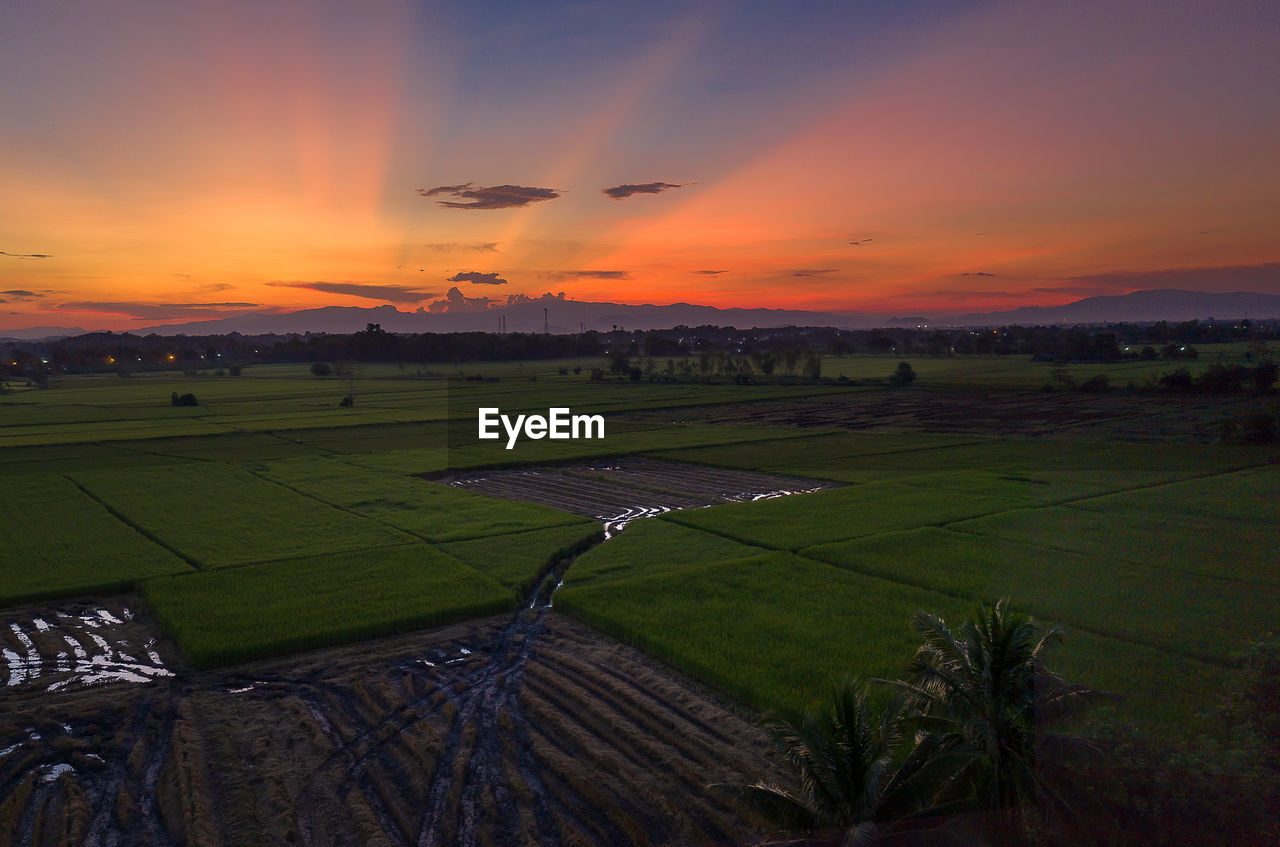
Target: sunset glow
{"x":165,"y":162}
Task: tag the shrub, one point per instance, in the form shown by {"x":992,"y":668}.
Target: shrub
{"x":321,"y":369}
{"x":185,"y":400}
{"x":904,"y":375}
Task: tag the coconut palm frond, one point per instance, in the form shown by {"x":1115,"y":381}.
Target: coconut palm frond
{"x":777,"y":804}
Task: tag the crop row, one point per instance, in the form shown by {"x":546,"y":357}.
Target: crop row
{"x":238,"y":614}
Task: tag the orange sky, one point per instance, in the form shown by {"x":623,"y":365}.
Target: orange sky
{"x":163,"y":162}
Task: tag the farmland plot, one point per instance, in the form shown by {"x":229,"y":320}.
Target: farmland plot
{"x":237,"y":614}
{"x":219,"y":515}
{"x":60,"y":541}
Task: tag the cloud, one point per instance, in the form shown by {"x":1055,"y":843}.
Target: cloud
{"x":813,"y":271}
{"x":859,"y":242}
{"x":367,"y":290}
{"x":566,"y":275}
{"x":23,"y":294}
{"x":477,"y":278}
{"x":152,"y":311}
{"x":976,"y":273}
{"x":455,"y":302}
{"x":493,"y":197}
{"x":708,"y":273}
{"x":26,"y":255}
{"x":457,"y":247}
{"x":622,"y":192}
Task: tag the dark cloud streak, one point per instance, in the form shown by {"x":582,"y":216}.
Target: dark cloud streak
{"x":622,"y":192}
{"x":152,"y":311}
{"x":457,"y":247}
{"x":566,"y":275}
{"x":477,"y":278}
{"x":369,"y":291}
{"x":493,"y":197}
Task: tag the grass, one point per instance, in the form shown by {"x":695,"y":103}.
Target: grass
{"x":790,"y":523}
{"x":775,"y":631}
{"x":240,"y":614}
{"x":58,"y":541}
{"x":1243,"y":498}
{"x":653,"y":546}
{"x":219,"y":515}
{"x":1181,"y":548}
{"x":518,"y":560}
{"x":1137,"y":603}
{"x":431,"y":511}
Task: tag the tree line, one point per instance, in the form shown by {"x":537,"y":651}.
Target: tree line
{"x":784,"y":349}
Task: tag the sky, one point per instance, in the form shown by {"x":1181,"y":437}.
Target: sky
{"x":165,"y":161}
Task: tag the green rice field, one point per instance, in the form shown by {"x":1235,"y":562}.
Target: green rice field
{"x":267,"y":520}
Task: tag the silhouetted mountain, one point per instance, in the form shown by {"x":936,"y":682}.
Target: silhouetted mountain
{"x":40,"y":333}
{"x":567,"y":316}
{"x":562,"y":316}
{"x":1162,"y":304}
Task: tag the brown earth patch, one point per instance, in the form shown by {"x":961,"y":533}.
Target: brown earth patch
{"x":504,"y":731}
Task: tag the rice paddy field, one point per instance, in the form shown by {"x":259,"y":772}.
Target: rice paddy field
{"x":267,"y":520}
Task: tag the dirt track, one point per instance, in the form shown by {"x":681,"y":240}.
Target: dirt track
{"x":474,"y":734}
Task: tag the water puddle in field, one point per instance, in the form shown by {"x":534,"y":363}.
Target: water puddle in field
{"x":616,"y":492}
{"x":77,"y":648}
{"x":50,"y":773}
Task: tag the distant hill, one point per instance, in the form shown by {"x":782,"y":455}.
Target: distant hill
{"x":38,"y":333}
{"x":566,"y":316}
{"x":562,"y":316}
{"x":1161,"y":304}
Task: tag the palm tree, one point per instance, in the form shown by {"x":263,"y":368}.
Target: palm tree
{"x":984,"y":696}
{"x":858,"y":769}
{"x":961,"y":735}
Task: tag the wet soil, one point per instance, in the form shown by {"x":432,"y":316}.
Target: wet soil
{"x":617,"y":491}
{"x":528,"y":729}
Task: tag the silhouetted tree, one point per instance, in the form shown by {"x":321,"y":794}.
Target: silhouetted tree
{"x":904,"y":375}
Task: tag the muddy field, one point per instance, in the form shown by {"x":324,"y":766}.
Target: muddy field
{"x":528,"y":729}
{"x":77,"y":646}
{"x":618,"y":491}
{"x":1076,"y":415}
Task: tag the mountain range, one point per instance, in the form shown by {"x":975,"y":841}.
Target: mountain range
{"x":566,"y":316}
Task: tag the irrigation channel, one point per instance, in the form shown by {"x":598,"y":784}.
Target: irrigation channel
{"x":527,"y":729}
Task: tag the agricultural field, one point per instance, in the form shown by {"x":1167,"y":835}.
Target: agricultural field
{"x":301,"y":604}
{"x":763,"y":542}
{"x":59,"y":540}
